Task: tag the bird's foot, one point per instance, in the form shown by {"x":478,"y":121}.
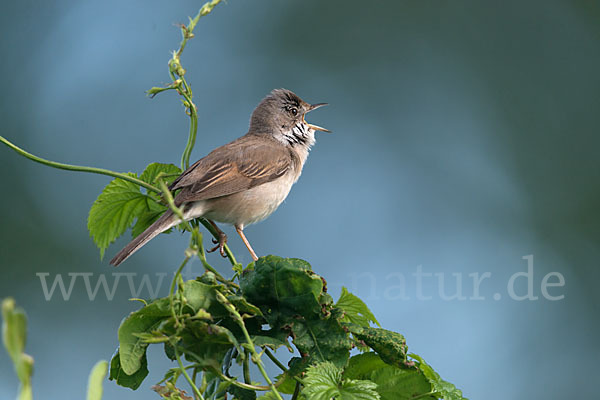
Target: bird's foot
{"x":220,"y":244}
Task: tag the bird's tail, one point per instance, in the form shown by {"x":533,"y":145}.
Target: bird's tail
{"x":166,"y":221}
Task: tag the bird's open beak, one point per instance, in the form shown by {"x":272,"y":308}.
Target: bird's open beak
{"x":316,"y":127}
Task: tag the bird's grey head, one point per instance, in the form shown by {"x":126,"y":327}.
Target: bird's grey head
{"x":281,"y":114}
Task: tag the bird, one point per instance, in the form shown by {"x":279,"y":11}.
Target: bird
{"x":244,"y":181}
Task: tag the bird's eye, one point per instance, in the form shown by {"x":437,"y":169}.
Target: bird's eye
{"x":292,"y":110}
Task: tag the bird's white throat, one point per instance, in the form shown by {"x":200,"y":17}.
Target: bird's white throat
{"x":300,"y":134}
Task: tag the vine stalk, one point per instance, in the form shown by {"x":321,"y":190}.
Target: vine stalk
{"x":249,"y":345}
{"x":79,"y":168}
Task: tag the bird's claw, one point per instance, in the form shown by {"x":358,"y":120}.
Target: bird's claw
{"x":220,"y":244}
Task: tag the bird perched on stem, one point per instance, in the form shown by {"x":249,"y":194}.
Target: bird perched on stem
{"x":244,"y":181}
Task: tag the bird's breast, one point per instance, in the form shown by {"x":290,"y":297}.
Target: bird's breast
{"x":252,"y":205}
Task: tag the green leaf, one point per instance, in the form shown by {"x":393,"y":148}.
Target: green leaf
{"x":443,"y":389}
{"x":154,"y":207}
{"x":293,"y":301}
{"x":282,"y":285}
{"x":201,"y":296}
{"x":324,"y":382}
{"x":14,"y":337}
{"x":241,"y":393}
{"x":146,"y":218}
{"x":243,"y":306}
{"x":392,"y":382}
{"x":401,"y":384}
{"x":114,"y":211}
{"x":169,"y":173}
{"x":132,"y":381}
{"x":297,"y":365}
{"x":285,"y":384}
{"x":153,"y":91}
{"x":321,"y":340}
{"x":391,"y":346}
{"x":273,"y":340}
{"x":133,"y":348}
{"x":355,"y":310}
{"x":362,"y":365}
{"x":209,"y":342}
{"x":121,"y":202}
{"x":95,"y":380}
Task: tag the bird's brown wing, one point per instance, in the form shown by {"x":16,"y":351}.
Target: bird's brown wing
{"x":237,"y":166}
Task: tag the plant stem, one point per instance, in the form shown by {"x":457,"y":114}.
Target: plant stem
{"x":172,"y":291}
{"x":80,"y":168}
{"x":246,"y":367}
{"x":296,"y":391}
{"x":188,"y":32}
{"x":274,"y":359}
{"x":240,"y":384}
{"x":221,"y":375}
{"x":102,"y":171}
{"x":193,"y":113}
{"x":249,"y":344}
{"x":280,"y":365}
{"x":260,"y":366}
{"x":176,"y":70}
{"x":187,"y":376}
{"x":194,"y":376}
{"x":169,"y":197}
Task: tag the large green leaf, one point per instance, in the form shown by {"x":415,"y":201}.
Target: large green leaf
{"x":114,"y":211}
{"x":282,"y":285}
{"x":361,"y":366}
{"x":392,"y":383}
{"x":132,"y":381}
{"x":401,"y":384}
{"x":355,"y":310}
{"x":443,"y":389}
{"x":121,"y":202}
{"x":292,"y":299}
{"x":169,"y":173}
{"x":321,"y":340}
{"x":144,"y":320}
{"x":324,"y":382}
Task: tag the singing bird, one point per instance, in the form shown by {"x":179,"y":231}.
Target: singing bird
{"x":244,"y":181}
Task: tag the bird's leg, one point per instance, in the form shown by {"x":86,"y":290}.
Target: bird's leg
{"x":240,"y":231}
{"x":219,"y":243}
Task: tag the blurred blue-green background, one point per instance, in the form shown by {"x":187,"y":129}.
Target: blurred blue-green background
{"x":465,"y":138}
